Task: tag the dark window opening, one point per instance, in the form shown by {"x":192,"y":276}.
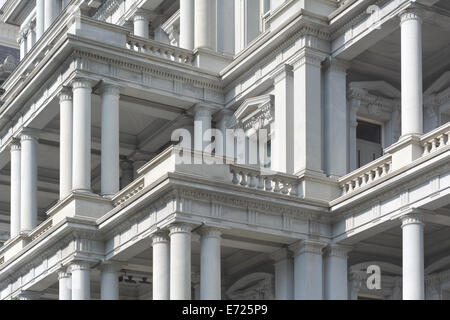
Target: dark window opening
{"x":368,"y":131}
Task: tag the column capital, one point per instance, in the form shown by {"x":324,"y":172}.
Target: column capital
{"x":160,"y":237}
{"x":15,"y":145}
{"x":110,"y":89}
{"x":210,"y":232}
{"x":82,"y":83}
{"x":29,"y":134}
{"x":180,"y":228}
{"x":337,"y":250}
{"x":281,"y":73}
{"x":412,"y":218}
{"x":79,"y":265}
{"x":63,"y":274}
{"x":110,"y":267}
{"x":307,"y":56}
{"x":280,"y":255}
{"x":412,"y":13}
{"x":142,"y":14}
{"x":336,"y":65}
{"x":307,"y":246}
{"x":201,"y":109}
{"x":65,"y":94}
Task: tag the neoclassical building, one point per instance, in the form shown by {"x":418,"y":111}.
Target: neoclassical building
{"x":354,"y":96}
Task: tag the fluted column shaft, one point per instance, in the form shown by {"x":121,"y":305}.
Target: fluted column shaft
{"x":110,"y":168}
{"x":413,"y":258}
{"x":210,"y":266}
{"x":15,"y":188}
{"x":187,"y":24}
{"x":180,"y":262}
{"x":81,"y":166}
{"x":161,"y":267}
{"x":109,"y":282}
{"x":81,"y":281}
{"x":28,"y":184}
{"x":65,"y":143}
{"x":65,"y":285}
{"x":412,"y":86}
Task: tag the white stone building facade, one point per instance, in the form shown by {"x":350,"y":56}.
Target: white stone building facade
{"x":354,"y":95}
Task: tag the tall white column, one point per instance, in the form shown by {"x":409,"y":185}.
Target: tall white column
{"x":65,"y":143}
{"x":284,"y":275}
{"x":22,"y":41}
{"x":31,"y":36}
{"x":202,"y":123}
{"x":335,"y":117}
{"x":210,"y":266}
{"x":109,"y":282}
{"x":141,"y":24}
{"x":40,"y":18}
{"x":308,"y":270}
{"x":81,"y":165}
{"x":51,"y":11}
{"x":412,"y":91}
{"x":203,"y":25}
{"x":81,"y":280}
{"x":65,"y":285}
{"x":28,"y":184}
{"x":413,"y":258}
{"x":282,"y":139}
{"x":180,"y":262}
{"x":161,"y":267}
{"x":15,"y":187}
{"x":307,"y":127}
{"x":187,"y":23}
{"x":335,"y":272}
{"x":110,"y":167}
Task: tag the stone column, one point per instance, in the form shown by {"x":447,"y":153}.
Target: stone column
{"x":202,"y":123}
{"x":110,"y":166}
{"x":413,"y":258}
{"x":335,"y":272}
{"x":307,"y":127}
{"x":22,"y":41}
{"x":161,"y":267}
{"x":141,"y":24}
{"x":81,"y":280}
{"x":65,"y":143}
{"x":180,"y":262}
{"x":284,"y":275}
{"x":109,"y":282}
{"x":282,"y":140}
{"x":412,"y":91}
{"x":81,"y":171}
{"x":204,"y":25}
{"x":40,"y":17}
{"x":210,"y":264}
{"x":28,"y":183}
{"x":308,"y":271}
{"x":65,"y":285}
{"x":187,"y":23}
{"x":51,"y":9}
{"x":15,"y":188}
{"x":335,"y":117}
{"x":31,"y":36}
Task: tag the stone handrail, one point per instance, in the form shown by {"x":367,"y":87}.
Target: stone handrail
{"x":161,"y":50}
{"x":254,"y":178}
{"x":366,"y":174}
{"x":41,"y":229}
{"x":436,"y":139}
{"x":129,"y":191}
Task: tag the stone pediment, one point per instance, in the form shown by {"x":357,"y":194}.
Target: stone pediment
{"x":255,"y":112}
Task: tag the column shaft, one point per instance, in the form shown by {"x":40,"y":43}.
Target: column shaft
{"x":109,"y":283}
{"x":412,"y":91}
{"x":161,"y":267}
{"x":210,"y":265}
{"x":187,"y":23}
{"x":28,"y":184}
{"x":284,"y":275}
{"x":65,"y":143}
{"x":180,"y":262}
{"x":65,"y":286}
{"x":40,"y":17}
{"x":51,"y":8}
{"x":203,"y":24}
{"x":413,"y":258}
{"x":81,"y":281}
{"x":15,"y":188}
{"x":335,"y":273}
{"x":110,"y":167}
{"x":141,"y":25}
{"x":81,"y":171}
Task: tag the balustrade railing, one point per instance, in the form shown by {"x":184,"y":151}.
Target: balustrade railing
{"x":436,"y":139}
